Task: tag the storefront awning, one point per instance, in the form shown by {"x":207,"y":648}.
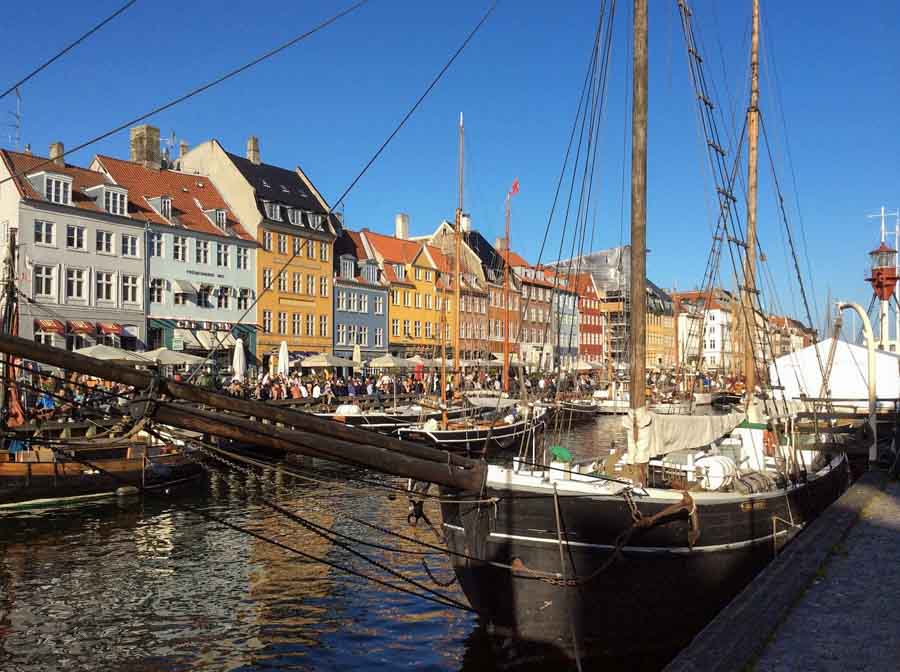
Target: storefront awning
{"x":183,"y":287}
{"x":80,"y":327}
{"x":110,"y":328}
{"x":214,"y":339}
{"x":186,"y":339}
{"x":53,"y":326}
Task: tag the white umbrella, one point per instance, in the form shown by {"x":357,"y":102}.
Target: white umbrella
{"x":325,"y":361}
{"x":284,"y":366}
{"x":391,"y":362}
{"x":357,"y":358}
{"x":582,"y":365}
{"x":239,"y":360}
{"x":167,"y":357}
{"x":111,"y":354}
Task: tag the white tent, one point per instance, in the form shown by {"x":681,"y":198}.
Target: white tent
{"x":239,"y":361}
{"x":166,"y":357}
{"x":799,"y":372}
{"x":111,"y":354}
{"x":283,"y":357}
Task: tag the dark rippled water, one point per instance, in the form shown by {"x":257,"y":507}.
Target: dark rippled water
{"x":155,"y":585}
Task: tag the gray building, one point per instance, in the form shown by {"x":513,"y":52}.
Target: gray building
{"x":360,"y":300}
{"x":81,"y":266}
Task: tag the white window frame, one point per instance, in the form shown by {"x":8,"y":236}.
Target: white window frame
{"x":130,"y":247}
{"x":47,"y":236}
{"x":243,"y":258}
{"x":179,"y":248}
{"x":104,"y":286}
{"x":58,"y":190}
{"x":85,"y":290}
{"x":80,"y":235}
{"x":49,"y":278}
{"x":131,"y":289}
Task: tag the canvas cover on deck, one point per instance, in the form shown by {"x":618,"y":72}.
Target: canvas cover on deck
{"x":659,"y":434}
{"x":799,"y":372}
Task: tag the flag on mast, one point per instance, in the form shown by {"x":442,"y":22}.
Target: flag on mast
{"x":514,"y":189}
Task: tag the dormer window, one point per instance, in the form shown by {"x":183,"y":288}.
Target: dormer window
{"x":115,"y":202}
{"x":315,"y":221}
{"x":165,"y":207}
{"x":273,"y":211}
{"x":58,"y":190}
{"x":293,"y":216}
{"x":370,"y":272}
{"x":400,"y":270}
{"x":347,"y":268}
{"x":221,"y":219}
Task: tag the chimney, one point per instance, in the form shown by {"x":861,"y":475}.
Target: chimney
{"x":28,"y":149}
{"x":145,"y":146}
{"x":253,"y":150}
{"x":499,"y":244}
{"x":56,"y":153}
{"x":465,"y":222}
{"x":182,"y":149}
{"x":401,"y":225}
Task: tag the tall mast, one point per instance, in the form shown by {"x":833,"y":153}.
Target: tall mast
{"x":638,"y":280}
{"x":457,"y":235}
{"x":506,"y":303}
{"x":752,"y":187}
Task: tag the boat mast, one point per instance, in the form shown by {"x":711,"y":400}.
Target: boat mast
{"x":506,"y":303}
{"x":638,"y":280}
{"x":457,"y":235}
{"x":752,"y":188}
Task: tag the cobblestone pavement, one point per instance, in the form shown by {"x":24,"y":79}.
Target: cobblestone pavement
{"x":849,"y":618}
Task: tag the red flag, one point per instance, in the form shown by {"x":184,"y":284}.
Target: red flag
{"x":515,"y":187}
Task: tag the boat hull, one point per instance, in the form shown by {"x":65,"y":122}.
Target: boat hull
{"x":656,"y":594}
{"x":474,"y":441}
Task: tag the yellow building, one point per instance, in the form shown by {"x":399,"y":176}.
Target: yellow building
{"x":289,"y":219}
{"x":419,"y":289}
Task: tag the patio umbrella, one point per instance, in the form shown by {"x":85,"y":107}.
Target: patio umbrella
{"x":284,"y":366}
{"x":111,"y":354}
{"x":239,"y":360}
{"x":419,"y":360}
{"x":391,"y":362}
{"x":357,"y":358}
{"x":325,"y":361}
{"x":166,"y":357}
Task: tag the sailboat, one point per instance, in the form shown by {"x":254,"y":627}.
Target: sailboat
{"x":575,"y":557}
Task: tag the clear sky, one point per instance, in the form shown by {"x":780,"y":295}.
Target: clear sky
{"x":327,"y":103}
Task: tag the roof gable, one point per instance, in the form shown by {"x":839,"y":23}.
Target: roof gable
{"x":20,"y":165}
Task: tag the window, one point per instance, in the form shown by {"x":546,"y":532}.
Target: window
{"x":429,"y":276}
{"x":58,"y":191}
{"x":267,"y":241}
{"x":267,"y":278}
{"x":156,"y":245}
{"x":363,"y":336}
{"x":364,"y":303}
{"x":311,"y":284}
{"x":323,"y":325}
{"x":274,"y":210}
{"x":295,"y":324}
{"x":428,"y":330}
{"x":323,"y":251}
{"x":222,"y":255}
{"x":406,"y":298}
{"x":165,"y":207}
{"x":43,"y":281}
{"x":223,"y":298}
{"x":310,"y":325}
{"x":342,"y":300}
{"x":180,"y":299}
{"x":267,"y":321}
{"x":400,"y":270}
{"x":310,"y":250}
{"x":44,"y":232}
{"x":282,"y":281}
{"x":323,"y":286}
{"x":347,"y":268}
{"x":379,"y":305}
{"x":351,"y":334}
{"x":341,"y":334}
{"x":379,"y":337}
{"x":104,"y":242}
{"x":129,"y":246}
{"x":243,"y":302}
{"x":395,"y":297}
{"x":221,"y":219}
{"x":418,"y":273}
{"x":104,"y":286}
{"x":130,"y":289}
{"x":282,"y":323}
{"x":418,"y":300}
{"x":179,"y":248}
{"x":282,"y":243}
{"x":406,"y":328}
{"x":157,"y":285}
{"x":395,"y":327}
{"x":418,"y":329}
{"x":75,"y":288}
{"x":114,"y":202}
{"x":428,"y":301}
{"x":295,"y":283}
{"x":243,"y":257}
{"x":201,"y":252}
{"x":75,"y":237}
{"x":43,"y":337}
{"x":354,"y":302}
{"x":203,"y":297}
{"x":297,"y":244}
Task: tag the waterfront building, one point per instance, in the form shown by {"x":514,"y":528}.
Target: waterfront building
{"x":418,"y":277}
{"x":707,"y":334}
{"x":81,"y":266}
{"x":788,"y":335}
{"x":360,"y":300}
{"x":201,"y":261}
{"x":564,"y":321}
{"x":590,"y":318}
{"x":284,"y":212}
{"x":536,"y":292}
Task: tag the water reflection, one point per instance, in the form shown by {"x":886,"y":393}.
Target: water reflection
{"x":153,"y":585}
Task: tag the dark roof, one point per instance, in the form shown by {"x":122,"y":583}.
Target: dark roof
{"x":278,"y":184}
{"x":489,"y":256}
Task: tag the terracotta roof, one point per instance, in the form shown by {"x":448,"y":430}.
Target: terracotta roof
{"x":190,"y":194}
{"x":514,"y":259}
{"x":21,"y":165}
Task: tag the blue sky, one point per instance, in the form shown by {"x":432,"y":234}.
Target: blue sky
{"x":327,"y":103}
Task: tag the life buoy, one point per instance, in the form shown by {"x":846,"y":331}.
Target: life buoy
{"x":769,"y":443}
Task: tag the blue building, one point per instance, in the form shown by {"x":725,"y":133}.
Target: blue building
{"x":360,"y":300}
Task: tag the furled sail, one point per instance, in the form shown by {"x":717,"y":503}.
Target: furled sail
{"x":659,"y":434}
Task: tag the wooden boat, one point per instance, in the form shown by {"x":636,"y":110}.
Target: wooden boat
{"x":577,"y":411}
{"x":390,"y":420}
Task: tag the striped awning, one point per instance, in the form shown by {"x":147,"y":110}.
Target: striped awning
{"x":80,"y":327}
{"x":53,"y":326}
{"x":184,"y":287}
{"x":110,"y":328}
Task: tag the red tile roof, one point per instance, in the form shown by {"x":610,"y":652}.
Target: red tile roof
{"x":190,"y":194}
{"x":513,"y":259}
{"x":20,"y":165}
{"x":400,"y":251}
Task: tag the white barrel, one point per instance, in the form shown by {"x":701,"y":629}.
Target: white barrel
{"x":717,"y":471}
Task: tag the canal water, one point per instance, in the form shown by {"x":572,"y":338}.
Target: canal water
{"x":158,"y":585}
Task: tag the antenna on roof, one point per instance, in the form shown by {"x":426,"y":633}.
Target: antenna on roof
{"x":15,"y":136}
{"x":169,"y":145}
